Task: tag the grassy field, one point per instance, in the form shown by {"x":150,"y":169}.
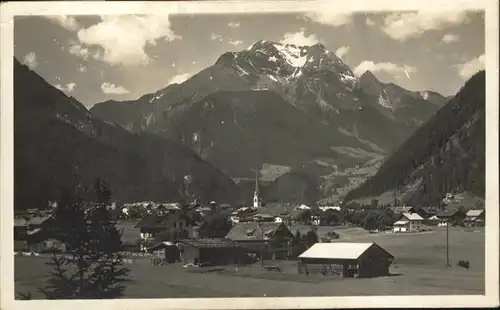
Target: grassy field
{"x":420,"y":268}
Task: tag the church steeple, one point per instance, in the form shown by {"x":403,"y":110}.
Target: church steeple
{"x":257,"y":202}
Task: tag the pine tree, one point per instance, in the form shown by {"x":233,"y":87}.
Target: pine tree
{"x":311,"y":238}
{"x":93,"y":266}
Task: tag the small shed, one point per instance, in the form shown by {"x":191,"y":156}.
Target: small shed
{"x":214,"y":252}
{"x":165,"y":250}
{"x":344,"y":259}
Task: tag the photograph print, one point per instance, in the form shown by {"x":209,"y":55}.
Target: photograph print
{"x":193,"y":154}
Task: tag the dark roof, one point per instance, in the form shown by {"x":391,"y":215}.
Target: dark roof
{"x":225,"y":212}
{"x":401,"y":209}
{"x":429,"y":209}
{"x":447,"y":212}
{"x":158,"y":221}
{"x":252,"y":231}
{"x":209,"y":243}
{"x":20,"y":221}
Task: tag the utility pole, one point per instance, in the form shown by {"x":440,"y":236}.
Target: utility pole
{"x":262,"y":250}
{"x":447,"y":244}
{"x":77,"y":184}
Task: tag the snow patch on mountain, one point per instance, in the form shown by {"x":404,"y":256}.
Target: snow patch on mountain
{"x":348,"y":79}
{"x":157,"y":97}
{"x":296,"y":73}
{"x":272,"y":78}
{"x":242,"y":71}
{"x":383,"y":100}
{"x":293,"y":55}
{"x":424,"y":95}
{"x":323,"y":104}
{"x":149,"y":118}
{"x":273,"y":59}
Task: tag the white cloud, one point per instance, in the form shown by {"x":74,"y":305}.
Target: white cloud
{"x":471,"y":67}
{"x":82,"y":68}
{"x":236,"y":42}
{"x":68,"y":88}
{"x":387,"y":67}
{"x":450,"y":38}
{"x":124,"y":38}
{"x":299,"y":38}
{"x":234,"y":25}
{"x":79,"y":51}
{"x":370,"y":22}
{"x":327,"y":17}
{"x":112,"y":89}
{"x":67,"y":22}
{"x":342,"y":51}
{"x":215,"y":37}
{"x":403,"y":26}
{"x":179,"y":78}
{"x":30,"y":60}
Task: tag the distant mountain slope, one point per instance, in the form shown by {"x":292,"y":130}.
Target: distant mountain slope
{"x":56,"y":138}
{"x":242,"y":130}
{"x":447,"y":154}
{"x":413,"y":108}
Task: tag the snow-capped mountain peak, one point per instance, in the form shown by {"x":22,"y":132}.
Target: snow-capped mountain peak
{"x":294,"y":55}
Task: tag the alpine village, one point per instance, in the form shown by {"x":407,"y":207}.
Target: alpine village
{"x":276,"y":168}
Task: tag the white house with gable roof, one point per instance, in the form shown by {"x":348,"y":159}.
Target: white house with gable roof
{"x":408,"y":222}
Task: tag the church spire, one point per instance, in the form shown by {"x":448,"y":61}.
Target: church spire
{"x":257,"y":202}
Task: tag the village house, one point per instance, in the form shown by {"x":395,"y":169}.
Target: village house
{"x":170,"y":225}
{"x":451,"y":216}
{"x":343,"y":259}
{"x":263,"y":217}
{"x":475,"y":218}
{"x":242,"y":213}
{"x":408,"y":222}
{"x":36,"y":232}
{"x":272,"y":239}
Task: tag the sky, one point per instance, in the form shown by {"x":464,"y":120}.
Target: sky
{"x":98,"y":58}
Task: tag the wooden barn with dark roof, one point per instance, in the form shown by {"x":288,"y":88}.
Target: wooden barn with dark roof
{"x":210,"y":252}
{"x":272,"y":238}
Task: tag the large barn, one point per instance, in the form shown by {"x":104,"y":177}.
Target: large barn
{"x":344,"y":259}
{"x":210,"y":252}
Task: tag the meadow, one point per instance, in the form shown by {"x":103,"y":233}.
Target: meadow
{"x":420,"y":269}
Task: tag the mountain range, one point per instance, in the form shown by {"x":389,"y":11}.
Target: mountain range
{"x":445,"y":155}
{"x":59,"y":144}
{"x":280,"y":105}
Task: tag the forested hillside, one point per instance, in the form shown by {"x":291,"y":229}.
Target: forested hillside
{"x":447,"y":154}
